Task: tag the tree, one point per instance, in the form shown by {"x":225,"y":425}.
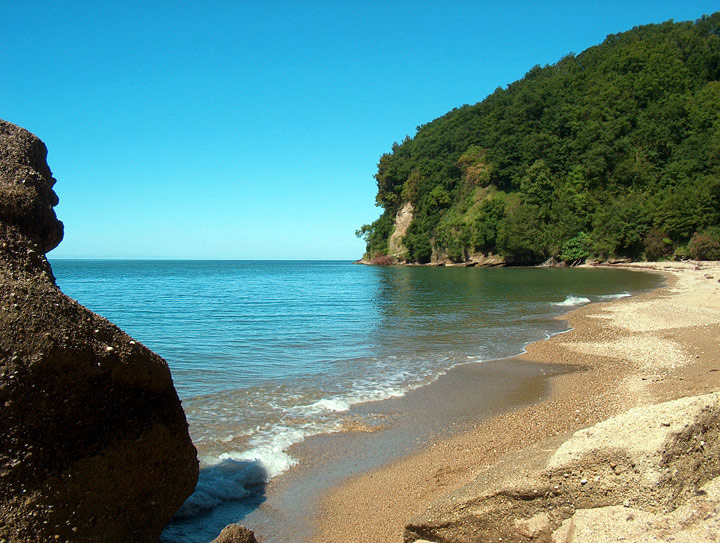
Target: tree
{"x":576,"y":248}
{"x":617,"y":142}
{"x":521,"y":238}
{"x":484,"y":233}
{"x":657,"y":245}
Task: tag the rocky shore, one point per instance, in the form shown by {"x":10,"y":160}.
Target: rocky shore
{"x":626,"y":448}
{"x":95,"y":445}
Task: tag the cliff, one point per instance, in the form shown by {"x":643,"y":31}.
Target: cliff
{"x":95,"y":442}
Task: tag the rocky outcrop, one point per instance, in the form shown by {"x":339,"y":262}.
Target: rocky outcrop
{"x":95,"y":444}
{"x":404,"y":217}
{"x":473,"y":260}
{"x":650,"y":473}
{"x":397,"y":252}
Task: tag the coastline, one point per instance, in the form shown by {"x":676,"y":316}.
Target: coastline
{"x":637,"y":351}
{"x":399,"y":427}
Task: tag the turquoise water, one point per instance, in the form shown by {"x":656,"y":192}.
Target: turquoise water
{"x":265,"y":354}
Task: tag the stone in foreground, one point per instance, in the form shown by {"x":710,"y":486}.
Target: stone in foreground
{"x":652,"y":473}
{"x":234,"y":533}
{"x":95,"y":444}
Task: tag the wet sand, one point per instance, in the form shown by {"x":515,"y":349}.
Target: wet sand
{"x":364,"y":485}
{"x":378,"y":433}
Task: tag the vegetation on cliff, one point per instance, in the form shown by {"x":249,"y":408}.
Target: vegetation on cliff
{"x":614,"y":152}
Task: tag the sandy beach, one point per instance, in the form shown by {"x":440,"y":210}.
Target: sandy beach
{"x":636,"y":351}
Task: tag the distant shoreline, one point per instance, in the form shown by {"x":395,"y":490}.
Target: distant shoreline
{"x":496,"y":261}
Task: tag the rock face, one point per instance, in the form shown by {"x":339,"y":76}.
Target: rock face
{"x":404,"y":217}
{"x":652,"y":473}
{"x":95,"y":444}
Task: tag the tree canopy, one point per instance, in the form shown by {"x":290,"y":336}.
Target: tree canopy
{"x":614,"y":152}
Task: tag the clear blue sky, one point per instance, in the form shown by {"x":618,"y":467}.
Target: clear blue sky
{"x":252,"y":130}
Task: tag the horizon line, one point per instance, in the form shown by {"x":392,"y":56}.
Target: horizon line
{"x":192,"y":259}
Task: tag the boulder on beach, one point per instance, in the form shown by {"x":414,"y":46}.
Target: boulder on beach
{"x":95,"y":443}
{"x":652,"y":473}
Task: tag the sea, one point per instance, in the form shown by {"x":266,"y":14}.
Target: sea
{"x":266,"y":354}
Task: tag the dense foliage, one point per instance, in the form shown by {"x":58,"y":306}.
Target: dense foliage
{"x":614,"y":152}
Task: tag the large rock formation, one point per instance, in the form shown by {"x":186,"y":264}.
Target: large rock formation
{"x":650,"y":474}
{"x":95,"y":444}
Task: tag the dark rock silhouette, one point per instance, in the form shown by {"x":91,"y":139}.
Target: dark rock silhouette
{"x":95,"y":444}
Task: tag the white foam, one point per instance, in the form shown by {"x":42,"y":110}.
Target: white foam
{"x":334,"y":404}
{"x":374,"y":395}
{"x":572,"y":301}
{"x":235,"y":475}
{"x":615,"y":296}
{"x":224,"y":481}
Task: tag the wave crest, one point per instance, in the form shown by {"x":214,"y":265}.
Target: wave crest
{"x":572,"y":301}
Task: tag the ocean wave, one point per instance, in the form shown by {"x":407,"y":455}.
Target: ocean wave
{"x":240,"y":474}
{"x":572,"y":301}
{"x":225,"y":481}
{"x":615,"y":296}
{"x":235,"y":475}
{"x":344,"y":402}
{"x":364,"y":390}
{"x":333,"y":404}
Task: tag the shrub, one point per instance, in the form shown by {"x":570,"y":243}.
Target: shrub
{"x":681,"y":253}
{"x":576,"y":248}
{"x":705,"y":246}
{"x":657,"y":245}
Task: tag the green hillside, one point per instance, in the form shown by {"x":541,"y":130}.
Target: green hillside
{"x":614,"y":152}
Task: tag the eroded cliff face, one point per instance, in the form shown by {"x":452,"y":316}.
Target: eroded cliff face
{"x":95,"y":443}
{"x":404,"y":217}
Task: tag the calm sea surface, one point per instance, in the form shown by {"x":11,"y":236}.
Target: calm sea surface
{"x":265,"y":354}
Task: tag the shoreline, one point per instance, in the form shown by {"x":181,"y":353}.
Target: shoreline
{"x":376,"y":505}
{"x":423,"y":415}
{"x":399,"y":427}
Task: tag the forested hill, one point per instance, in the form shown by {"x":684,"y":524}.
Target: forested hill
{"x":614,"y":152}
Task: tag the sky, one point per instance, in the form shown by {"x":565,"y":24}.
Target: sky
{"x":252,"y":130}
